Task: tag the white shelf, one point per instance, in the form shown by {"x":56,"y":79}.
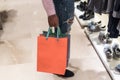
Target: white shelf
{"x":93,"y":37}
{"x":99,"y":49}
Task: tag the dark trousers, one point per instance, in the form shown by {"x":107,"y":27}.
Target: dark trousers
{"x":116,"y":9}
{"x":117,"y":5}
{"x":65,"y":11}
{"x":112,"y":26}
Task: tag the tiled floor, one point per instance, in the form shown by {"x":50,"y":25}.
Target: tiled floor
{"x":19,"y":42}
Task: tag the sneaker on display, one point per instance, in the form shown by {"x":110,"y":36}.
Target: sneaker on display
{"x":89,"y":15}
{"x":95,"y":27}
{"x":116,"y":51}
{"x":104,"y":37}
{"x":117,"y":68}
{"x":108,"y":52}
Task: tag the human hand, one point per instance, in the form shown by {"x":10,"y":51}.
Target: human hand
{"x":53,"y":20}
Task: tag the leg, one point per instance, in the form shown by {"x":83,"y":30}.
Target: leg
{"x":112,"y":26}
{"x":65,"y":13}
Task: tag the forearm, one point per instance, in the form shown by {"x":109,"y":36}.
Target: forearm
{"x":49,"y":7}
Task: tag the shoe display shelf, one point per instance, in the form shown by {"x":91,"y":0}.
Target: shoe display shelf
{"x":78,"y":13}
{"x":99,"y":47}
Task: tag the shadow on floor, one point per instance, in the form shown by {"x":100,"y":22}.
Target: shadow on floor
{"x":82,"y":74}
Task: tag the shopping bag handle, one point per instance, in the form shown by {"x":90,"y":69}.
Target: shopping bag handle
{"x":58,"y":32}
{"x":50,"y":31}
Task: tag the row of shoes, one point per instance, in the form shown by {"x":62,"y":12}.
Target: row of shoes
{"x":88,"y":14}
{"x":112,"y":52}
{"x":95,"y":26}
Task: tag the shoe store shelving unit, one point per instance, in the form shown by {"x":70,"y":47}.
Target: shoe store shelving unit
{"x":99,"y":47}
{"x":78,"y":13}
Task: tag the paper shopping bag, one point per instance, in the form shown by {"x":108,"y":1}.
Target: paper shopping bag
{"x":52,"y":54}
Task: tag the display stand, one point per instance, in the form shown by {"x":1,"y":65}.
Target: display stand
{"x":99,"y":47}
{"x":78,"y":13}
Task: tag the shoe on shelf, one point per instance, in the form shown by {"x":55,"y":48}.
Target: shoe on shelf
{"x":96,"y":27}
{"x":67,"y":74}
{"x":108,"y":39}
{"x":117,"y":68}
{"x":88,"y":16}
{"x":104,"y":37}
{"x":82,"y":6}
{"x":99,"y":22}
{"x":108,"y":52}
{"x":81,"y":16}
{"x":116,"y":51}
{"x":102,"y":28}
{"x":84,"y":15}
{"x":95,"y":23}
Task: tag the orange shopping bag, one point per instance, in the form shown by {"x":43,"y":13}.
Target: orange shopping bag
{"x":52,"y":54}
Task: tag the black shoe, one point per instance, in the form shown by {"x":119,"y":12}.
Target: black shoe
{"x":67,"y":74}
{"x":88,"y":16}
{"x":84,"y":15}
{"x":82,"y":6}
{"x":81,"y":16}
